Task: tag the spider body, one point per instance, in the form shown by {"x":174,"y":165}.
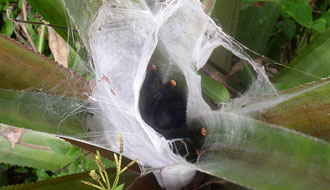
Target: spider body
{"x":163,"y":105}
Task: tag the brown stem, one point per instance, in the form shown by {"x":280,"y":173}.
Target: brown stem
{"x":45,"y":24}
{"x":9,"y":10}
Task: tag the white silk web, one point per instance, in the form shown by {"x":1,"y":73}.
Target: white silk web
{"x":121,"y":39}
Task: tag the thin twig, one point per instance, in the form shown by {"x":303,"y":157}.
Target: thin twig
{"x":16,"y":25}
{"x":45,"y":24}
{"x":18,"y":35}
{"x":25,"y":28}
{"x":10,"y":9}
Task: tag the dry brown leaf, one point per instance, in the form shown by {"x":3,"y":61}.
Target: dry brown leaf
{"x":59,"y":47}
{"x":12,"y":134}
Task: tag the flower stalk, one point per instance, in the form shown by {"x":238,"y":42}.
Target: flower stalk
{"x":105,"y":184}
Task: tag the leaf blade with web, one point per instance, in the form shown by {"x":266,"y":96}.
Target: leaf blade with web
{"x":262,"y":156}
{"x":21,"y":68}
{"x":304,"y":108}
{"x":42,"y":112}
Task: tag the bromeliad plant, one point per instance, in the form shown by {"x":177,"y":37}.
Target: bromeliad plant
{"x":232,"y":143}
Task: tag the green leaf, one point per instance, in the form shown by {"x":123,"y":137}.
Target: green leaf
{"x":33,"y":149}
{"x":60,"y":15}
{"x":214,"y":90}
{"x":120,"y":187}
{"x":254,"y":30}
{"x":319,"y":25}
{"x":103,"y":152}
{"x":75,"y":151}
{"x":70,"y":182}
{"x":84,"y":162}
{"x":57,"y":16}
{"x":42,"y":112}
{"x":82,"y":20}
{"x":310,"y":65}
{"x":75,"y":167}
{"x":108,"y":163}
{"x":256,"y":25}
{"x":300,"y":10}
{"x":22,"y":68}
{"x":70,"y":15}
{"x":273,"y":49}
{"x":59,"y":147}
{"x":281,"y":86}
{"x":28,"y":148}
{"x":42,"y":174}
{"x":8,"y":27}
{"x":262,"y":156}
{"x":304,"y":109}
{"x":65,"y":149}
{"x":289,"y":27}
{"x":226,"y":13}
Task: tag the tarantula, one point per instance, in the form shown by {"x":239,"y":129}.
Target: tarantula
{"x":163,"y":105}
